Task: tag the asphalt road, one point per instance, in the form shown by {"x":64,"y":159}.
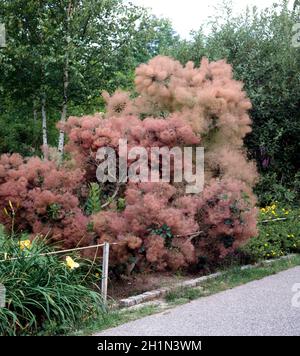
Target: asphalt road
{"x":261,"y":307}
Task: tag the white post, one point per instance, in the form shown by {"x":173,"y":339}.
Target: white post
{"x":2,"y":36}
{"x":2,"y":296}
{"x":105,"y":272}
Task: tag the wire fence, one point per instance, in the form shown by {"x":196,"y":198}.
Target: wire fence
{"x":60,"y":252}
{"x":274,"y":220}
{"x":105,"y":262}
{"x":105,"y":255}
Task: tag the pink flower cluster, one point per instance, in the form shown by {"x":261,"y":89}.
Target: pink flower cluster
{"x":40,"y":198}
{"x":150,"y":206}
{"x":89,"y":133}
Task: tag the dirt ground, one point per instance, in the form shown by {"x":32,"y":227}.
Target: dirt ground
{"x":140,"y":283}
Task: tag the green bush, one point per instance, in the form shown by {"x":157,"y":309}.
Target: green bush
{"x":45,"y":295}
{"x":277,"y":237}
{"x":270,"y":189}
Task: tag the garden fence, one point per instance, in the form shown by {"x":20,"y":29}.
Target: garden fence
{"x":105,"y":264}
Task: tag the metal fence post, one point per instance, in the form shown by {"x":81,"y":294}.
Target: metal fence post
{"x":105,"y":272}
{"x":2,"y":36}
{"x":2,"y":296}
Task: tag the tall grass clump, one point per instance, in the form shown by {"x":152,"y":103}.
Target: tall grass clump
{"x":45,"y":295}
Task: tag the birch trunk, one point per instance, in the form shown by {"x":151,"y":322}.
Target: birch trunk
{"x":35,"y":120}
{"x":44,"y":129}
{"x":35,"y":115}
{"x":63,"y":118}
{"x":61,"y":139}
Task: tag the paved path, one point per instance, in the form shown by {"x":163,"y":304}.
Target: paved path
{"x":261,"y":307}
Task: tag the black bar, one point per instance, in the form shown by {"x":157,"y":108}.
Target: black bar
{"x":87,"y":346}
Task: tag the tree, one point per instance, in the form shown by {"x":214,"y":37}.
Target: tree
{"x":25,"y":75}
{"x":67,"y":52}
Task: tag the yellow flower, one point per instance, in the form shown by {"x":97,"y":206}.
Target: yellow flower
{"x":10,"y":204}
{"x":272,"y":207}
{"x":71,"y":263}
{"x":25,"y":244}
{"x":97,"y":275}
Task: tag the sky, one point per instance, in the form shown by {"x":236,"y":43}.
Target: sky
{"x":187,"y":15}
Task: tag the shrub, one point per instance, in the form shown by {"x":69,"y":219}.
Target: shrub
{"x":41,"y":198}
{"x":155,"y":225}
{"x":276,"y":238}
{"x":44,"y":295}
{"x":162,"y":227}
{"x":270,"y":190}
{"x":226,"y":217}
{"x":148,"y":229}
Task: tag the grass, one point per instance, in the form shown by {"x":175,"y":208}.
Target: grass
{"x":230,"y":278}
{"x":117,"y":317}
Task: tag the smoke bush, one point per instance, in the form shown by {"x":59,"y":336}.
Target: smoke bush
{"x":212,"y":110}
{"x":159,"y":226}
{"x":149,"y":207}
{"x":41,"y":198}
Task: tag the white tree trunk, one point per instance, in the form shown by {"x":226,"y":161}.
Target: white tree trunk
{"x":44,"y":129}
{"x":61,"y":139}
{"x":35,"y":115}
